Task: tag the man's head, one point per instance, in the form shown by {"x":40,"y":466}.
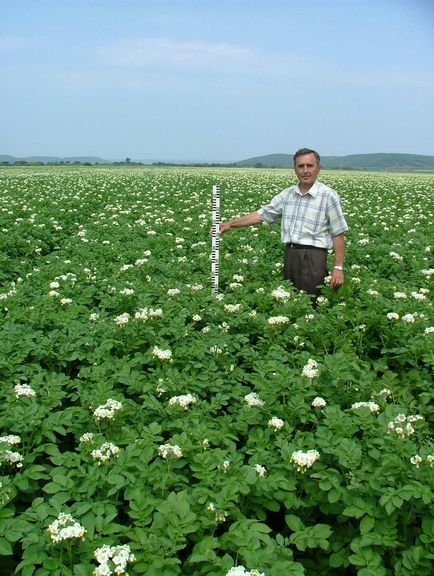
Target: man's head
{"x":304,"y":151}
{"x":307,"y":165}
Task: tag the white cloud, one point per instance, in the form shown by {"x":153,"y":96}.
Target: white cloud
{"x":151,"y":52}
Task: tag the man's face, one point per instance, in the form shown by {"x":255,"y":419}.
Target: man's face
{"x":307,"y":169}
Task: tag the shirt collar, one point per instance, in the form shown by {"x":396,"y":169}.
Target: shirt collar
{"x":313,"y":190}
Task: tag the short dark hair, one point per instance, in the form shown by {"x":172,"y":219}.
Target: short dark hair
{"x":304,"y":151}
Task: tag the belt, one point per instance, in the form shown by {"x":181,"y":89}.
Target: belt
{"x":304,"y":247}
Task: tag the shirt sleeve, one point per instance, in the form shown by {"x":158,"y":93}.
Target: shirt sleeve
{"x":337,"y":222}
{"x":273,"y":211}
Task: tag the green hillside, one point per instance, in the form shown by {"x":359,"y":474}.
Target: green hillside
{"x":380,"y":161}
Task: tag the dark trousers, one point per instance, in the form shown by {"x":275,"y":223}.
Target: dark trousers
{"x":306,"y":268}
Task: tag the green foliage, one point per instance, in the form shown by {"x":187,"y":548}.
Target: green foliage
{"x":128,"y":383}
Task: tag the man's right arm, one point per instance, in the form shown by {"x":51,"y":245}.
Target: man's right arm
{"x":247,"y":220}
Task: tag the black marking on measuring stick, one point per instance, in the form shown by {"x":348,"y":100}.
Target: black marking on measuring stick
{"x":215,"y":234}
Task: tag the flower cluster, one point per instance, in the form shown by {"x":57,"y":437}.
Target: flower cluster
{"x":275,"y":423}
{"x":12,"y":458}
{"x":311,"y":369}
{"x":373,"y":407}
{"x":105,"y":452}
{"x":184,"y":400}
{"x":10,"y":439}
{"x":232,"y":307}
{"x":161,"y":354}
{"x":319,"y":402}
{"x":241,"y":571}
{"x":281,"y":294}
{"x":304,"y":460}
{"x":253,"y":399}
{"x":392,"y":316}
{"x":146,"y":313}
{"x":166,"y":450}
{"x":86,"y":437}
{"x":274,"y":320}
{"x":260,"y":470}
{"x":122,"y":319}
{"x":403,"y":425}
{"x":112,"y":560}
{"x":23,"y":390}
{"x":220,"y":515}
{"x":65,"y":528}
{"x":107,"y":410}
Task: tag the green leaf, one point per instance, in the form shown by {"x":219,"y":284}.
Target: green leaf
{"x":5,"y":547}
{"x":366,"y":524}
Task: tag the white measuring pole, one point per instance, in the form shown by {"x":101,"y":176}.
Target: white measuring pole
{"x":215,"y":234}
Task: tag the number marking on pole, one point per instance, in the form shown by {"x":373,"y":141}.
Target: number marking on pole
{"x":215,"y":234}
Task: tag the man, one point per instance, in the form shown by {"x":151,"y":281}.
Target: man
{"x":312,"y":221}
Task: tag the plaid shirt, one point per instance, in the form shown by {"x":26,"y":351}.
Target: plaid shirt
{"x":312,"y":219}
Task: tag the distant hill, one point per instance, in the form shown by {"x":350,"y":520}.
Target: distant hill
{"x":380,"y":161}
{"x":53,"y":159}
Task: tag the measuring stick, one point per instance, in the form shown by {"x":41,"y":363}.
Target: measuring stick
{"x":215,"y":234}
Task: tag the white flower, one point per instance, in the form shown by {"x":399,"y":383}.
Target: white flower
{"x":396,"y":256}
{"x":86,"y":437}
{"x":161,"y":354}
{"x":11,"y":439}
{"x":107,"y":410}
{"x":281,"y":294}
{"x":54,"y":285}
{"x":399,"y":295}
{"x":276,"y":423}
{"x":409,"y":318}
{"x":225,"y":466}
{"x":418,"y":296}
{"x":273,"y":320}
{"x":173,"y":291}
{"x":196,"y":318}
{"x":373,"y":407}
{"x":384,"y":393}
{"x":408,"y":429}
{"x":310,"y":370}
{"x":429,"y":330}
{"x":232,"y":307}
{"x":112,"y":558}
{"x":253,"y":399}
{"x":166,"y":450}
{"x":65,"y":528}
{"x":23,"y":390}
{"x":184,"y":400}
{"x":122,"y":319}
{"x":392,"y":316}
{"x":13,"y":458}
{"x":416,"y":460}
{"x":53,"y":293}
{"x":241,"y":571}
{"x":260,"y":470}
{"x":304,"y":460}
{"x":105,"y":452}
{"x":127,"y":291}
{"x":94,"y":316}
{"x":319,"y":402}
{"x":215,"y":349}
{"x":66,"y":301}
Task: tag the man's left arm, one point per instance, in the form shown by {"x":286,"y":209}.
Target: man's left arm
{"x":337,"y":278}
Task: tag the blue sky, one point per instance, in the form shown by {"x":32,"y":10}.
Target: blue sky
{"x":215,"y":81}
